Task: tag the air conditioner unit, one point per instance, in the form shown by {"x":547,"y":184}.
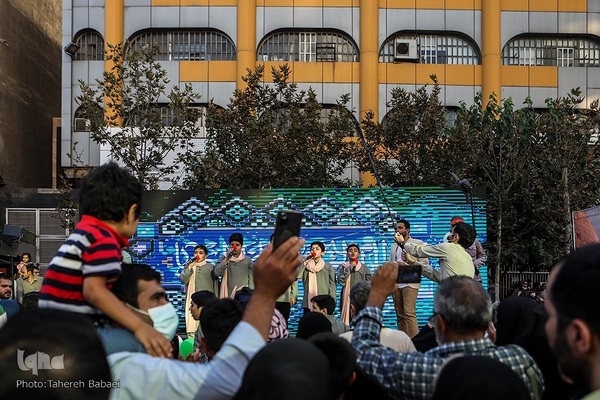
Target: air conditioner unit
{"x":405,"y":49}
{"x":82,"y":125}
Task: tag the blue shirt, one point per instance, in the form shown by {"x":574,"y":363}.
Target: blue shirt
{"x":142,"y":376}
{"x":411,"y":375}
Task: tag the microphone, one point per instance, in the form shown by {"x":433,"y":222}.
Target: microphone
{"x":233,"y":249}
{"x":309,"y":256}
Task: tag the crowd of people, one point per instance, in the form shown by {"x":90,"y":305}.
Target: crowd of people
{"x":107,"y":329}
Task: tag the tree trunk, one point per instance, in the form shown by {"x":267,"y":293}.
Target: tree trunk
{"x":567,"y":207}
{"x":498,"y":254}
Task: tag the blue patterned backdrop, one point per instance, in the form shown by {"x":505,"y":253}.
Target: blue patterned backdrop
{"x":174,"y":222}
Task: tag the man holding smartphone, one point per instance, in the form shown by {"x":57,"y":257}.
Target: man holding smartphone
{"x":453,"y":257}
{"x":405,"y":295}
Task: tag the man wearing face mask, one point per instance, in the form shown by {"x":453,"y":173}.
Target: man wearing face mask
{"x":142,"y":376}
{"x":139,"y":288}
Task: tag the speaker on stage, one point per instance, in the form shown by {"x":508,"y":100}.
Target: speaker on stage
{"x":11,"y":237}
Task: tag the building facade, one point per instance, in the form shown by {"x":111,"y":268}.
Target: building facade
{"x":365,"y":48}
{"x":30,"y":90}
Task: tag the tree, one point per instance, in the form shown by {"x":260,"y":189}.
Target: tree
{"x":148,"y":144}
{"x":410,"y":144}
{"x":273,"y":136}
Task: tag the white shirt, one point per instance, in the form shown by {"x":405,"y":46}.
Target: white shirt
{"x":454,"y":259}
{"x":392,"y":338}
{"x":142,"y":376}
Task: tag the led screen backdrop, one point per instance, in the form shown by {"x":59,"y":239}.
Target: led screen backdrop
{"x":172,"y":223}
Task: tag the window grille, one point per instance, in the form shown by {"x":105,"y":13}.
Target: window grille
{"x":435,"y":49}
{"x":561,"y":51}
{"x":187,"y":45}
{"x":307,"y":46}
{"x":91,"y":47}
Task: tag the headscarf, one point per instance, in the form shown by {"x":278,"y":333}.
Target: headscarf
{"x":478,"y":377}
{"x":313,"y":289}
{"x":345,"y":314}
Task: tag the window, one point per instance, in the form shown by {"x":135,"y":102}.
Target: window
{"x":441,"y":48}
{"x":166,"y":115}
{"x":552,"y":51}
{"x":91,"y":46}
{"x":308,"y":46}
{"x":187,"y":45}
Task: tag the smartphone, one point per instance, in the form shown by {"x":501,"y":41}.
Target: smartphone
{"x":288,"y":224}
{"x":409,"y":273}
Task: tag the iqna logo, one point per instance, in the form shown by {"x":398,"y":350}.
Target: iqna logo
{"x":39,"y":360}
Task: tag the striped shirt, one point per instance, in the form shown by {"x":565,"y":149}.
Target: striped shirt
{"x":93,"y":249}
{"x":411,"y":375}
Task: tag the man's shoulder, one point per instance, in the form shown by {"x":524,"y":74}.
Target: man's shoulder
{"x":415,"y":241}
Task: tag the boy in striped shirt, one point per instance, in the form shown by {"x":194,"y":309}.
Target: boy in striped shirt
{"x":81,"y":274}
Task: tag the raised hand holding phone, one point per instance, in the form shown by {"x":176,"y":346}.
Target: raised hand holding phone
{"x":288,"y":224}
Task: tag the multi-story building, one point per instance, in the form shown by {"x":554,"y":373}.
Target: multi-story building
{"x":30,"y":65}
{"x":513,"y":48}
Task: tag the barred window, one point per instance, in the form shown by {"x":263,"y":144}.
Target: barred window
{"x":187,"y":45}
{"x":552,"y":51}
{"x":166,"y":115}
{"x":438,"y":48}
{"x":307,"y":46}
{"x":91,"y":46}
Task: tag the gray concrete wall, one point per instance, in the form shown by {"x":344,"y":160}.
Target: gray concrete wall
{"x":30,"y":73}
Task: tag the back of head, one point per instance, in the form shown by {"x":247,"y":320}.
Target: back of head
{"x":477,"y":377}
{"x":516,"y":320}
{"x":574,"y":288}
{"x":467,"y":234}
{"x":464,"y":304}
{"x":51,"y":344}
{"x":324,"y":301}
{"x":290,"y":369}
{"x":359,"y":294}
{"x":108,"y":192}
{"x":342,"y":360}
{"x":219,"y":317}
{"x":126,"y":286}
{"x":201,"y":297}
{"x":312,"y":323}
{"x":30,"y":300}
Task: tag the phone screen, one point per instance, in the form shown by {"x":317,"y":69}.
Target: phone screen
{"x":287,"y":225}
{"x":409,"y":273}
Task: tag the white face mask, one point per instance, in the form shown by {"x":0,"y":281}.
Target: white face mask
{"x":164,"y":318}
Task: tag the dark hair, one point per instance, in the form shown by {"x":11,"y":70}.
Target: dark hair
{"x":320,"y":244}
{"x":201,"y":246}
{"x":352,"y":245}
{"x":36,"y":266}
{"x":108,"y":192}
{"x":467,"y":234}
{"x":464,"y":304}
{"x":359,"y":294}
{"x":201,"y":297}
{"x":30,"y":267}
{"x":28,"y":254}
{"x":574,"y":288}
{"x":126,"y":287}
{"x":342,"y":360}
{"x":405,"y":222}
{"x":30,"y":300}
{"x":83,"y":358}
{"x":312,"y":323}
{"x":236,"y":237}
{"x":242,"y":295}
{"x":5,"y":276}
{"x":218,"y":319}
{"x":325,"y":301}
